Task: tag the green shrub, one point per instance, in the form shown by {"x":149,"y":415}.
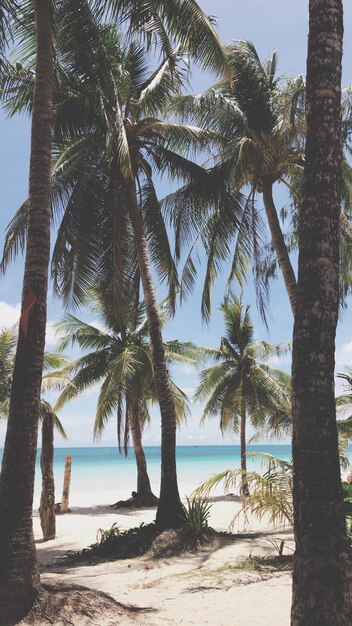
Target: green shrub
{"x":347,"y":490}
{"x":196,"y":515}
{"x":105,"y":535}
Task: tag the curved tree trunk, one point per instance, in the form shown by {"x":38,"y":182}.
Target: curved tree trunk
{"x":169,"y":513}
{"x":145,"y":496}
{"x":320,"y":586}
{"x":278,"y":243}
{"x":244,"y":484}
{"x":19,"y":574}
{"x":47,"y":498}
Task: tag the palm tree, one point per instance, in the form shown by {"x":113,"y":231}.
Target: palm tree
{"x":241,"y":385}
{"x":167,"y":22}
{"x":119,"y":359}
{"x":261,"y":119}
{"x":103,"y":179}
{"x":7,"y":12}
{"x":47,"y":417}
{"x":320,"y":574}
{"x":19,"y":574}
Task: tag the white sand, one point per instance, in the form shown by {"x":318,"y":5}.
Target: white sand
{"x":192,"y":589}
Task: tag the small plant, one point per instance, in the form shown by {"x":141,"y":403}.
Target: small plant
{"x":278,"y":544}
{"x":105,"y":535}
{"x":196,"y":514}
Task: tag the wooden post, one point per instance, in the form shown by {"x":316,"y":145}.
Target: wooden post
{"x":67,"y":482}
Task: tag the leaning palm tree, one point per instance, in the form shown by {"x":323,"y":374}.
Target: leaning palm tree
{"x":103,"y":181}
{"x":241,"y":386}
{"x":119,"y":359}
{"x":19,"y":573}
{"x":262,"y":120}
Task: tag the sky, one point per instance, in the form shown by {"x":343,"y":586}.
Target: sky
{"x":280,"y":25}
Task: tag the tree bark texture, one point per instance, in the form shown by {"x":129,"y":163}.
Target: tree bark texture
{"x":244,"y":483}
{"x":19,"y":574}
{"x":145,"y":496}
{"x":47,"y":498}
{"x":320,"y":589}
{"x":67,"y":483}
{"x":169,"y":513}
{"x":278,"y":243}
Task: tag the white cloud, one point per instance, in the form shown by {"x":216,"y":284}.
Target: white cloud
{"x":51,"y":336}
{"x":9,"y":314}
{"x":344,"y":354}
{"x":279,"y":361}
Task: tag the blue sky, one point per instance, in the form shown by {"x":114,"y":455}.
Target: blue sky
{"x":280,"y":25}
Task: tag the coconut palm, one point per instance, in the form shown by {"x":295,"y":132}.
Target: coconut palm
{"x":321,"y":572}
{"x":7,"y":13}
{"x":119,"y":359}
{"x":261,"y":118}
{"x":19,"y":573}
{"x":47,"y":417}
{"x":103,"y":179}
{"x":167,"y":22}
{"x":241,"y":386}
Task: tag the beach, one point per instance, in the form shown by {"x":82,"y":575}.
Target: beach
{"x":209,"y":586}
{"x":203,"y":587}
{"x":226,"y":580}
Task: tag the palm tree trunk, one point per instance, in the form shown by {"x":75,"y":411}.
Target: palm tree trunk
{"x":19,"y":574}
{"x":244,"y":483}
{"x":169,"y":513}
{"x":278,"y":243}
{"x":320,"y":587}
{"x":47,"y":498}
{"x":145,"y":496}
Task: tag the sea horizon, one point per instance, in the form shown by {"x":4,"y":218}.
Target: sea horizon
{"x":102,"y":475}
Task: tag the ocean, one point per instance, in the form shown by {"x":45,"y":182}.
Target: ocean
{"x":103,"y":475}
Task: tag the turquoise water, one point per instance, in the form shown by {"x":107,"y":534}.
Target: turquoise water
{"x":103,"y":475}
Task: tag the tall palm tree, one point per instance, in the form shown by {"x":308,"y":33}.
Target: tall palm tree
{"x":321,"y":593}
{"x":241,"y":385}
{"x":261,"y":118}
{"x":119,"y":359}
{"x":103,"y":179}
{"x":19,"y":574}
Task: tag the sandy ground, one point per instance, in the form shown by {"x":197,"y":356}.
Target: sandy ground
{"x":208,"y":587}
